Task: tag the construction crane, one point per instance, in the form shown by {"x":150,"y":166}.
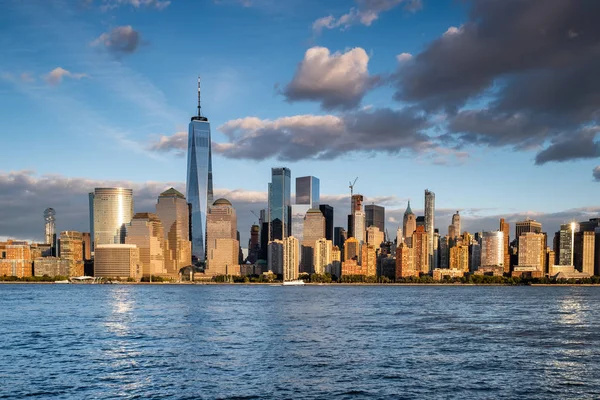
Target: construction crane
{"x":256,"y":215}
{"x":352,"y":186}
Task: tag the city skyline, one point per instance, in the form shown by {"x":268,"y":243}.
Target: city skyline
{"x":57,"y":89}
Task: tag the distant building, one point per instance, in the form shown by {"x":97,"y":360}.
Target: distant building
{"x":405,"y":266}
{"x":375,"y":237}
{"x":52,"y":266}
{"x":440,"y":273}
{"x":291,"y":258}
{"x":584,"y":252}
{"x":420,"y":241}
{"x":327,"y":211}
{"x":456,"y":224}
{"x":339,"y":237}
{"x":71,"y":249}
{"x":444,"y":251}
{"x":459,"y":258}
{"x":531,"y":249}
{"x":111,"y":209}
{"x":279,"y":203}
{"x":529,"y":225}
{"x":87,"y":245}
{"x":566,"y":241}
{"x":117,"y":261}
{"x":336,"y":262}
{"x":409,"y":223}
{"x":146,"y":232}
{"x":323,"y":256}
{"x":314,"y":229}
{"x":172,"y":210}
{"x":275,"y":256}
{"x":254,"y":244}
{"x":308,"y":191}
{"x":369,"y":260}
{"x":297,"y":215}
{"x":222,"y":245}
{"x":15,"y":259}
{"x":492,"y":249}
{"x":50,"y":228}
{"x":375,"y":216}
{"x":505,"y":229}
{"x":430,"y":226}
{"x":355,"y":206}
{"x":351,"y":249}
{"x":474,"y":256}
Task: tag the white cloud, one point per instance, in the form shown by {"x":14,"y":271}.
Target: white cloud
{"x":56,"y":76}
{"x":156,"y":4}
{"x":120,"y":40}
{"x":404,"y":57}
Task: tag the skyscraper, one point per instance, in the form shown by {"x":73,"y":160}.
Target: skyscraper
{"x":420,"y":244}
{"x":505,"y":228}
{"x":307,"y":191}
{"x":327,"y":211}
{"x":146,"y":232}
{"x":275,"y":250}
{"x":71,"y":249}
{"x":291,"y":258}
{"x":314,"y":229}
{"x":279,"y":203}
{"x":117,"y":261}
{"x":50,"y":227}
{"x":111,"y":209}
{"x":531,"y":246}
{"x":584,"y":251}
{"x":430,"y":226}
{"x":199,"y":179}
{"x":375,"y":216}
{"x":566,"y":243}
{"x":456,"y":224}
{"x":172,"y":210}
{"x":323,"y":256}
{"x":492,"y":249}
{"x":222,"y":244}
{"x":409,"y":224}
{"x":529,"y":225}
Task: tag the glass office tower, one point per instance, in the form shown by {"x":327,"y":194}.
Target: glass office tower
{"x":110,"y":210}
{"x":307,"y":191}
{"x":279,"y":203}
{"x":199,"y":179}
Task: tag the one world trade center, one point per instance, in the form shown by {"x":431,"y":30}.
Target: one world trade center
{"x":199,"y":179}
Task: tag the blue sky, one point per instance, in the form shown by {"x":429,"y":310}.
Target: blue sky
{"x":98,"y":117}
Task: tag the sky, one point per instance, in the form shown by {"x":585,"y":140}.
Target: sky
{"x":492,"y":104}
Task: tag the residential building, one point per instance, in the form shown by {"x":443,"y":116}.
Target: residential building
{"x":531,"y":248}
{"x":275,"y":256}
{"x":492,"y":249}
{"x":420,"y":242}
{"x":291,"y":258}
{"x":459,"y":258}
{"x":405,"y":266}
{"x":52,"y":266}
{"x":430,"y":226}
{"x":323,"y":256}
{"x":375,"y":237}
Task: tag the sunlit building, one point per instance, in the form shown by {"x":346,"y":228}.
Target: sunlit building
{"x":111,"y":209}
{"x":409,"y":224}
{"x":146,"y":232}
{"x":51,"y":266}
{"x":291,"y":258}
{"x":15,"y":259}
{"x":369,"y":260}
{"x":71,"y":249}
{"x":117,"y":261}
{"x":505,"y":228}
{"x":351,"y":249}
{"x":323,"y":256}
{"x":279,"y":203}
{"x":492,"y":249}
{"x":584,"y":251}
{"x":566,"y":241}
{"x":173,"y":211}
{"x":314,"y":229}
{"x":459,"y":258}
{"x":404,"y":262}
{"x":420,"y":242}
{"x":456,"y":224}
{"x":375,"y":237}
{"x":222,"y":244}
{"x":430,"y":226}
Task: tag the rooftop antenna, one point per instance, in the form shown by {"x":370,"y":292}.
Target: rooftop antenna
{"x":199,"y":112}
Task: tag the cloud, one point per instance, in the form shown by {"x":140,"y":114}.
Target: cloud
{"x":338,"y":80}
{"x":119,"y":41}
{"x":366,"y":12}
{"x":583,"y":145}
{"x":527,"y":66}
{"x":106,"y":5}
{"x":596,"y":173}
{"x":321,"y":137}
{"x":56,"y":76}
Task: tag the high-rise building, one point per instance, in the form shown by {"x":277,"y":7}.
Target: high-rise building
{"x":327,"y":211}
{"x":459,"y":257}
{"x":529,"y":225}
{"x":531,"y":246}
{"x":50,"y":227}
{"x":456,"y":224}
{"x":87,"y":245}
{"x":430,"y":226}
{"x":375,"y":216}
{"x":279,"y":203}
{"x":52,"y":266}
{"x":375,"y":237}
{"x":111,"y":209}
{"x":505,"y":228}
{"x":15,"y":259}
{"x":307,"y":191}
{"x":355,"y":206}
{"x":359,"y":228}
{"x":323,"y":256}
{"x":336,"y":262}
{"x":291,"y":258}
{"x":254,"y":244}
{"x":566,"y":241}
{"x":314,"y":229}
{"x":420,"y":241}
{"x":172,"y":210}
{"x":351,"y":249}
{"x":199,"y":179}
{"x":404,"y":262}
{"x":474,"y":256}
{"x":444,"y":252}
{"x":409,"y":223}
{"x":146,"y":232}
{"x":584,"y":251}
{"x":71,"y":249}
{"x":339,"y":237}
{"x":297,"y":215}
{"x":117,"y":261}
{"x":369,"y":260}
{"x":275,"y":256}
{"x":492,"y":249}
{"x":222,"y":246}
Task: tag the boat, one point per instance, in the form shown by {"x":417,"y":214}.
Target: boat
{"x":296,"y":282}
{"x":65,"y":281}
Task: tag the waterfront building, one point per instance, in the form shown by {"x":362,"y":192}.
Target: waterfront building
{"x":223,"y":247}
{"x":409,"y":223}
{"x":566,"y":237}
{"x":50,"y":228}
{"x":323,"y":256}
{"x":297,"y":215}
{"x":459,"y":258}
{"x":199,"y":179}
{"x":584,"y":252}
{"x":405,"y":266}
{"x":420,"y":243}
{"x":279,"y":203}
{"x":474,"y":256}
{"x":146,"y":232}
{"x":327,"y":211}
{"x":440,"y":273}
{"x":117,"y":261}
{"x":336,"y":262}
{"x":355,"y":206}
{"x":314,"y":229}
{"x":430,"y":226}
{"x":275,"y":256}
{"x":375,"y":237}
{"x":173,"y":211}
{"x":52,"y":266}
{"x":87,"y":245}
{"x":505,"y":228}
{"x":369,"y":260}
{"x":375,"y":216}
{"x":291,"y":258}
{"x":529,"y":225}
{"x":72,"y":249}
{"x":339,"y":237}
{"x":492,"y":249}
{"x":444,"y":251}
{"x":351,"y":249}
{"x":15,"y":259}
{"x":456,"y":224}
{"x":359,"y":228}
{"x":111,"y":209}
{"x":531,"y":248}
{"x":254,"y":244}
{"x":308,"y":191}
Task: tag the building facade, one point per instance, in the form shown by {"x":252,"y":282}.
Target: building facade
{"x":173,"y":211}
{"x":117,"y":261}
{"x":327,"y":211}
{"x":314,"y":229}
{"x":584,"y":252}
{"x":279,"y":203}
{"x":420,"y":245}
{"x":291,"y":258}
{"x":307,"y":191}
{"x":409,"y":223}
{"x":50,"y":227}
{"x":375,"y":216}
{"x":222,"y":244}
{"x":430,"y":226}
{"x":456,"y":224}
{"x":492,"y":249}
{"x":531,"y":247}
{"x":146,"y":232}
{"x":459,"y":258}
{"x":111,"y":209}
{"x":323,"y":258}
{"x":275,"y":256}
{"x":72,"y":250}
{"x":15,"y":259}
{"x":505,"y":228}
{"x":405,"y":266}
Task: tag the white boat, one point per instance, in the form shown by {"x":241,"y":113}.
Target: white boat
{"x":65,"y":281}
{"x":296,"y":282}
